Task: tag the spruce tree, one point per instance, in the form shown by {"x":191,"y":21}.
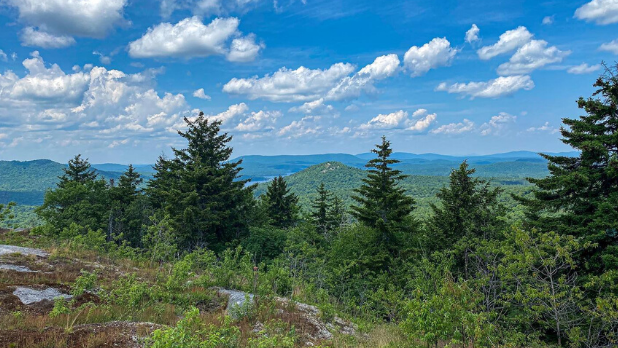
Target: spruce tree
{"x":321,"y":209}
{"x":468,"y":208}
{"x":282,"y":206}
{"x":200,"y":190}
{"x":79,"y":198}
{"x":580,"y":196}
{"x":78,"y":170}
{"x":128,"y":210}
{"x":381,"y":202}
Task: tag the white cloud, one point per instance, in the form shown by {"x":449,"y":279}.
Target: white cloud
{"x":287,"y":85}
{"x":455,"y":128}
{"x":421,"y":124}
{"x":611,"y":46}
{"x":472,"y":34}
{"x":583,"y":68}
{"x":199,"y":93}
{"x":244,"y":49}
{"x":105,"y":60}
{"x":386,"y":121}
{"x":307,"y":126}
{"x":499,"y":87}
{"x":191,"y":38}
{"x":313,"y":107}
{"x":303,"y":84}
{"x":544,"y":128}
{"x":103,"y":104}
{"x":508,"y":41}
{"x":36,"y":38}
{"x":351,"y":87}
{"x":399,"y":119}
{"x":3,"y":56}
{"x":497,"y":124}
{"x":42,"y":83}
{"x":548,"y":20}
{"x":205,"y":7}
{"x":258,"y":121}
{"x":438,"y":52}
{"x":531,"y":56}
{"x":599,"y":11}
{"x":232,"y":112}
{"x":62,"y":18}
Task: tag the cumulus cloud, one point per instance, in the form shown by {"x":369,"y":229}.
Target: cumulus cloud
{"x":499,"y":87}
{"x":206,"y":7}
{"x":199,"y":93}
{"x":438,"y":52}
{"x":599,"y":11}
{"x":548,"y":20}
{"x":36,"y":38}
{"x":259,"y":121}
{"x":455,"y":128}
{"x":351,"y":87}
{"x":386,"y":121}
{"x":531,"y":56}
{"x":191,"y":38}
{"x":611,"y":46}
{"x":61,"y":19}
{"x":287,"y":85}
{"x":232,"y":112}
{"x":313,"y":107}
{"x":544,"y":128}
{"x":396,"y":120}
{"x":307,"y":126}
{"x":583,"y":68}
{"x":107,"y":105}
{"x":508,"y":41}
{"x":244,"y":49}
{"x":497,"y":124}
{"x":472,"y":35}
{"x":3,"y":56}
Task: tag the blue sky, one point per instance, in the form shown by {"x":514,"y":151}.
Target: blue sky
{"x":112,"y":79}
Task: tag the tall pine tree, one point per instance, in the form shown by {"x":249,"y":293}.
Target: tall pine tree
{"x":580,"y":196}
{"x":381,"y":202}
{"x":282,"y":205}
{"x":199,"y":188}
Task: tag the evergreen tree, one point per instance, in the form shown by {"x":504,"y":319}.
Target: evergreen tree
{"x":282,"y":206}
{"x":128,"y":210}
{"x":580,"y":196}
{"x":382,"y":203}
{"x":199,"y":188}
{"x":321,"y":209}
{"x":468,"y":208}
{"x":79,"y":198}
{"x":77,"y":171}
{"x":337,"y":213}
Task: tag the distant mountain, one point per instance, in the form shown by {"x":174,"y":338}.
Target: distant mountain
{"x":114,"y":167}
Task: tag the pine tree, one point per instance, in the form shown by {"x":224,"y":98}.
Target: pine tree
{"x":128,"y":210}
{"x":79,"y":198}
{"x":468,"y":207}
{"x":337,"y":213}
{"x":78,"y":170}
{"x":580,"y":196}
{"x":282,"y":206}
{"x":321,"y":209}
{"x":199,"y":188}
{"x":382,"y":203}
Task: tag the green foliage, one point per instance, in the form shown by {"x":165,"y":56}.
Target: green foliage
{"x":198,"y":188}
{"x":580,"y":196}
{"x":264,"y":243}
{"x":281,"y":205}
{"x":191,"y":332}
{"x":382,"y":203}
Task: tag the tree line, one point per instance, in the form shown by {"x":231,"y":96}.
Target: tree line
{"x":462,"y":275}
